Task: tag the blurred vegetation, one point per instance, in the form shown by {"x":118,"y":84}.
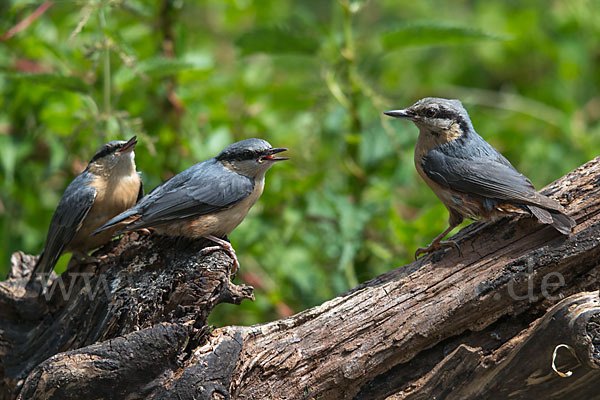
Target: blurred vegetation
{"x":314,"y":75}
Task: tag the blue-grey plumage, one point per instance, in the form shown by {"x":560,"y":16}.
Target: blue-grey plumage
{"x":206,"y":200}
{"x":468,"y":175}
{"x":109,"y":185}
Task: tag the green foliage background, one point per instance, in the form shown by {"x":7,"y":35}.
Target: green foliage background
{"x":314,"y":75}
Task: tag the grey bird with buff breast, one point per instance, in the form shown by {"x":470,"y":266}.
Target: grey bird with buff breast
{"x":108,"y":186}
{"x":468,"y":175}
{"x":208,"y":200}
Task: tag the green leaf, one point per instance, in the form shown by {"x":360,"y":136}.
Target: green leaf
{"x":374,"y":146}
{"x":158,"y":67}
{"x":8,"y":157}
{"x":62,"y":82}
{"x":276,"y":41}
{"x":434,"y":34}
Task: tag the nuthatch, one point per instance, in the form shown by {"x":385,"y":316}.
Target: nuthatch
{"x":207,"y":200}
{"x":468,"y":175}
{"x":108,"y":186}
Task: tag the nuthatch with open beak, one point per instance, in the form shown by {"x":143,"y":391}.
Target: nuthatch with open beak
{"x":207,"y":200}
{"x":468,"y":175}
{"x":108,"y":186}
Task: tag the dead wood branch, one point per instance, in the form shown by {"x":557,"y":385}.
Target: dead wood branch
{"x":484,"y":325}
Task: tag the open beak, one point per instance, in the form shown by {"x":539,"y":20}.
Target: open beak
{"x":129,"y":146}
{"x":276,"y":150}
{"x":406,"y":113}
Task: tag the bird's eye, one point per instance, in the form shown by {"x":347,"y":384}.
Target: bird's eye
{"x":430,"y":112}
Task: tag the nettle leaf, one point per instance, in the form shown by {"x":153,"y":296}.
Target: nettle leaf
{"x":276,"y":41}
{"x":55,"y":81}
{"x":434,"y":34}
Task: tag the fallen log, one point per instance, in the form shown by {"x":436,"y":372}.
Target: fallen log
{"x":506,"y":319}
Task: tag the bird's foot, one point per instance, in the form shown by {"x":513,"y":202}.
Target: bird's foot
{"x":85,"y":259}
{"x":223,"y":245}
{"x":439,"y":245}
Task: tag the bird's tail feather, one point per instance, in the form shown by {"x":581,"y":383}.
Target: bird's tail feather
{"x":543,"y":215}
{"x":42,"y":268}
{"x":560,"y":221}
{"x":121,"y":219}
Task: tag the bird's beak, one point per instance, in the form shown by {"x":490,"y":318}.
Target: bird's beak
{"x":129,"y":146}
{"x":406,"y":113}
{"x":276,"y":150}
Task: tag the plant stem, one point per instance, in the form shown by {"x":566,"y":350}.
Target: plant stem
{"x":106,"y":59}
{"x":353,"y":140}
{"x":357,"y":177}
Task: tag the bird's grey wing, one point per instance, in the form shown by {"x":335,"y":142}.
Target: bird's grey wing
{"x":72,"y":209}
{"x":205,"y":188}
{"x":485,"y":177}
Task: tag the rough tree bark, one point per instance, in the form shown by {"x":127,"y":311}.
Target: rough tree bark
{"x":484,"y":325}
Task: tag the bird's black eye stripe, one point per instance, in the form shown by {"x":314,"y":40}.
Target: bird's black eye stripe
{"x":446,"y":114}
{"x":240,"y":155}
{"x":107,"y":149}
{"x":104,"y":151}
{"x":441,"y":113}
{"x":250,"y":155}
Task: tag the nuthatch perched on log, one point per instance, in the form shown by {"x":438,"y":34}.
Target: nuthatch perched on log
{"x":207,"y":200}
{"x":469,"y":176}
{"x":108,"y":186}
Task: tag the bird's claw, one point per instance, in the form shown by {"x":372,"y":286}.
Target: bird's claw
{"x":85,"y":259}
{"x":226,"y":246}
{"x":436,"y":246}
